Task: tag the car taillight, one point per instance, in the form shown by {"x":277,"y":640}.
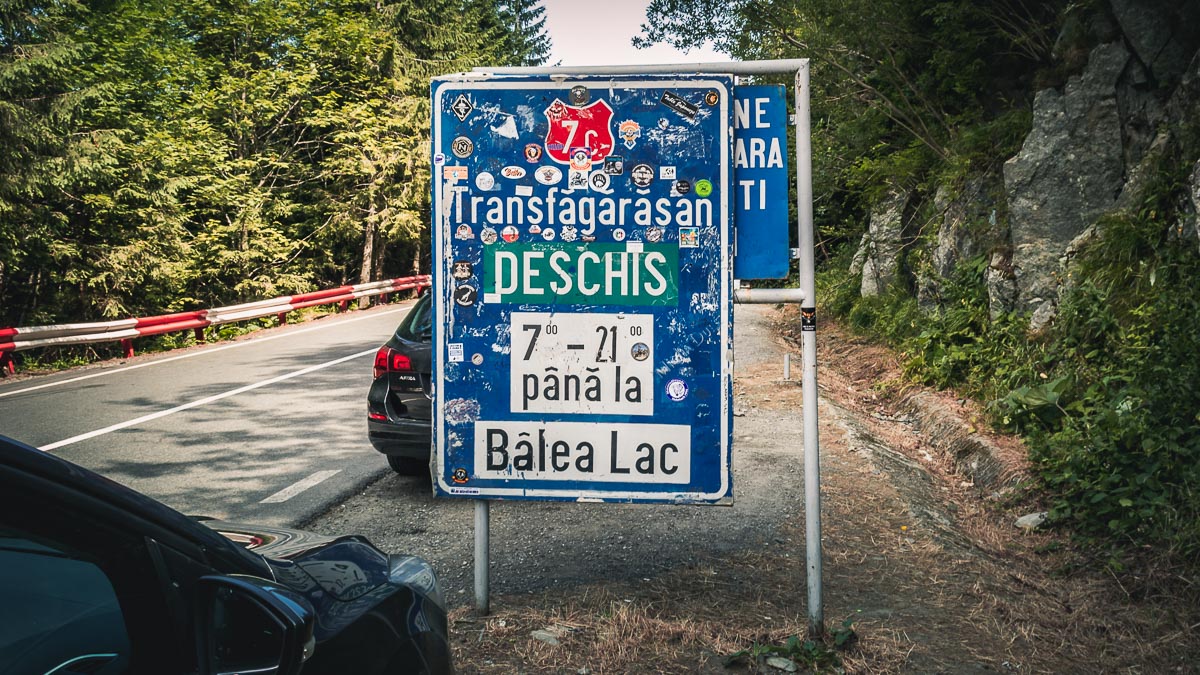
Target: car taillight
{"x":388,"y":360}
{"x":381,"y":359}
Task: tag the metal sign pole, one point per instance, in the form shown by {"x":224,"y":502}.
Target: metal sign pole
{"x":808,"y":331}
{"x":482,"y":557}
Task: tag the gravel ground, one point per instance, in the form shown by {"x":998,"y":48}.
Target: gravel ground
{"x":538,"y":545}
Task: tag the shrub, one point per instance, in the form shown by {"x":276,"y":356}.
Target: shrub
{"x":1107,"y":397}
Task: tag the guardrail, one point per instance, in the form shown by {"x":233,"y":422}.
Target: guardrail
{"x":124,"y":330}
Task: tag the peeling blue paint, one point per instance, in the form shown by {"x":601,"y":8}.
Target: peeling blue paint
{"x":531,"y":422}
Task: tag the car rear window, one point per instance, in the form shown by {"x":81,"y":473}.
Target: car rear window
{"x":417,"y":325}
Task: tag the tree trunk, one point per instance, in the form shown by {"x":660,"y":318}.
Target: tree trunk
{"x":369,"y":237}
{"x":380,"y":250}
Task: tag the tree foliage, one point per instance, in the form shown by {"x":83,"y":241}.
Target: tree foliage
{"x":899,"y":87}
{"x":169,"y":154}
{"x":915,"y":95}
{"x":524,"y":42}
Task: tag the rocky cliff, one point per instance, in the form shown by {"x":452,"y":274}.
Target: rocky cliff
{"x":1130,"y":91}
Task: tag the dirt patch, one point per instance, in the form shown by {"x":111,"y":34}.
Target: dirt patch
{"x":867,"y":379}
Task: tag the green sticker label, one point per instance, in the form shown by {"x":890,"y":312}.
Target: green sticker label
{"x":582,"y":274}
{"x":703,"y":187}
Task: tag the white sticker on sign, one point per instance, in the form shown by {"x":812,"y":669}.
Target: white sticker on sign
{"x":628,"y":453}
{"x":584,"y":364}
{"x":455,"y":354}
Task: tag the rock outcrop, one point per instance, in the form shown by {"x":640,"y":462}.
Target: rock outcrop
{"x":884,"y":242}
{"x":1094,"y":148}
{"x":968,"y":227}
{"x":1067,"y":174}
{"x":1163,"y":34}
{"x":1191,"y":223}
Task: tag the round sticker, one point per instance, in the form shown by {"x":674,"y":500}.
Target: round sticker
{"x":600,"y":180}
{"x":618,"y":234}
{"x":533,"y":153}
{"x":568,"y":233}
{"x":464,"y":296}
{"x":548,"y":234}
{"x":439,"y":158}
{"x":654,"y":234}
{"x":642,"y":175}
{"x":712,"y":98}
{"x":703,"y":187}
{"x":580,"y":95}
{"x":513,"y":172}
{"x":640,"y":351}
{"x":683,"y":187}
{"x":485,"y":181}
{"x":548,"y":175}
{"x":488,"y":235}
{"x":509,"y":234}
{"x":462,"y":147}
{"x":677,"y":390}
{"x":477,"y":359}
{"x":460,"y":476}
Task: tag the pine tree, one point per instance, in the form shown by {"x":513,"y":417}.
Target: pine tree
{"x":525,"y":41}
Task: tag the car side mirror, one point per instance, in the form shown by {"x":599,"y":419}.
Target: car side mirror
{"x":251,"y":625}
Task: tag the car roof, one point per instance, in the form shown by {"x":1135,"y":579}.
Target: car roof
{"x":33,"y":463}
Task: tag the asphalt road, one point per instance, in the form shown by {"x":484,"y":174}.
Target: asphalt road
{"x":270,"y":428}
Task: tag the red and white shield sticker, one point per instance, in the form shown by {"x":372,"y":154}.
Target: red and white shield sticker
{"x":575,"y":127}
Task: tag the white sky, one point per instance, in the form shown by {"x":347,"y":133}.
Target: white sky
{"x":597,"y":32}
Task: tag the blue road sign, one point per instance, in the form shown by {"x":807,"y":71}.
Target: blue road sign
{"x":582,"y":275}
{"x":760,"y":183}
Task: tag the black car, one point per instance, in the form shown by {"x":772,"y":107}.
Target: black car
{"x":399,"y":403}
{"x":97,"y":578}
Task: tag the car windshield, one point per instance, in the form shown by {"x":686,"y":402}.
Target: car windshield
{"x":417,"y":325}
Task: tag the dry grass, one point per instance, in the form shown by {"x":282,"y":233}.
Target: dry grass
{"x":688,"y":624}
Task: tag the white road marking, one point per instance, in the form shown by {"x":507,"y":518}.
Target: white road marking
{"x":300,"y":486}
{"x":202,"y":352}
{"x":203,"y":401}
